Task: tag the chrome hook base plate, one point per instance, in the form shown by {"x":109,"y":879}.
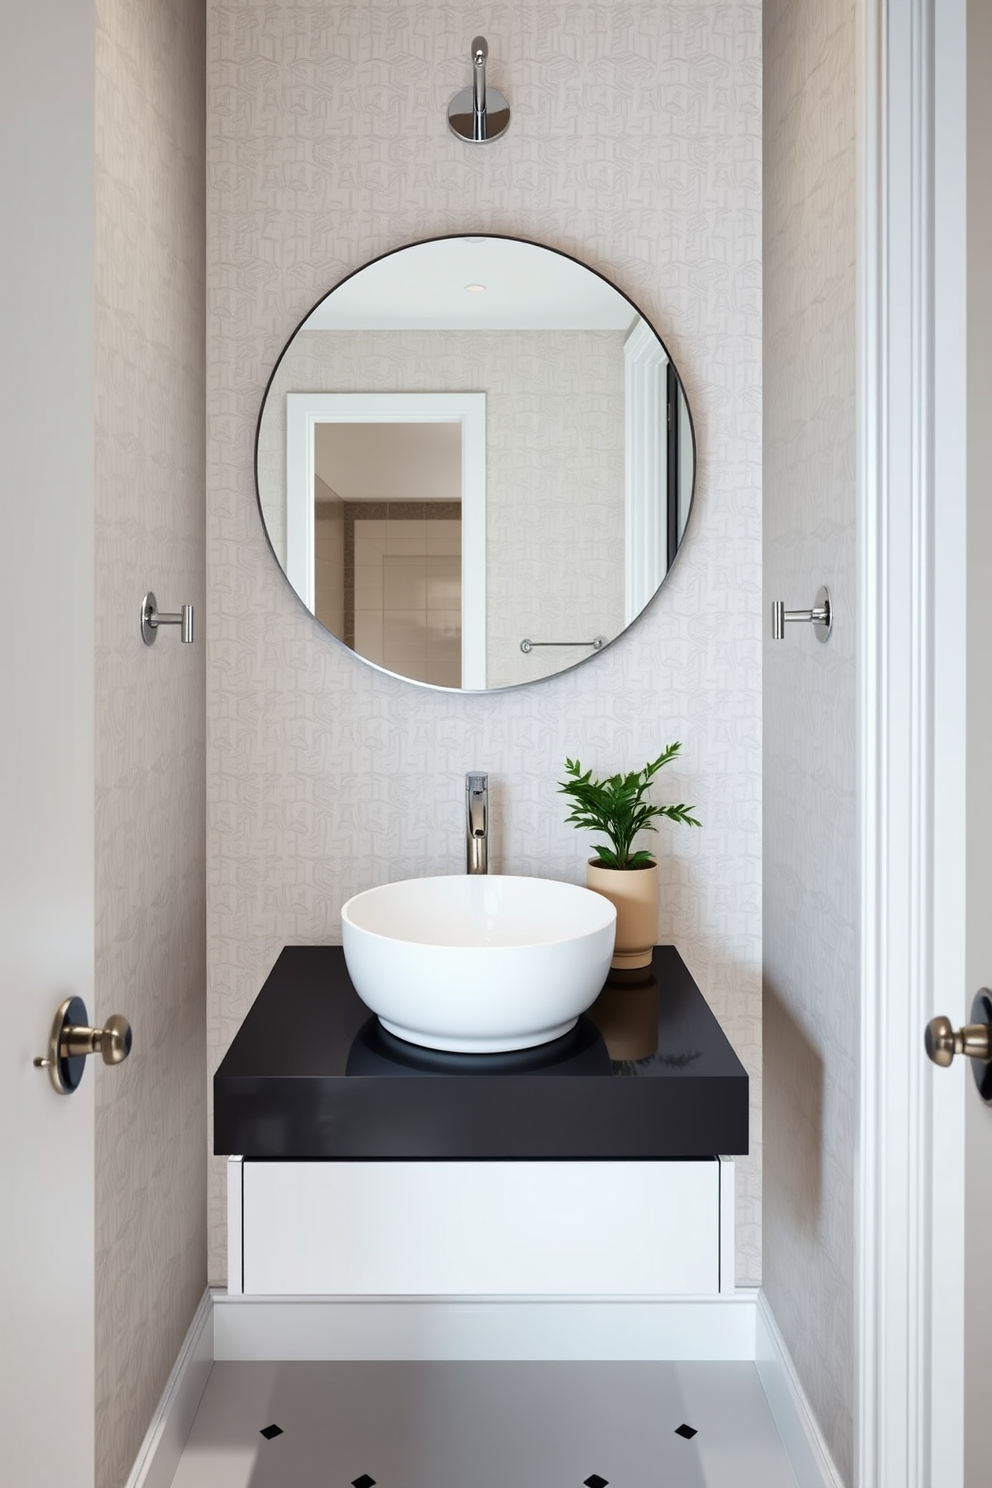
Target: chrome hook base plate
{"x":823,"y":615}
{"x":981,"y":1012}
{"x":461,"y":115}
{"x":149,"y":613}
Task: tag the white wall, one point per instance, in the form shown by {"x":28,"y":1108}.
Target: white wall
{"x":150,"y":874}
{"x":635,"y":145}
{"x":811,"y":835}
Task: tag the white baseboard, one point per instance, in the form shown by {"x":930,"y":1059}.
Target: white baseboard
{"x":158,"y":1459}
{"x":807,"y":1451}
{"x":734,"y":1327}
{"x":710,"y":1327}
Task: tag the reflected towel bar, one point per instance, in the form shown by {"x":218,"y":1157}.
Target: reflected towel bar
{"x":597,"y":643}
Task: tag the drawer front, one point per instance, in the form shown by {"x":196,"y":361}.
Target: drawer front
{"x":579,"y":1228}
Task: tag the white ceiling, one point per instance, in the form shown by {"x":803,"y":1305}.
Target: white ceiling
{"x":423,"y":287}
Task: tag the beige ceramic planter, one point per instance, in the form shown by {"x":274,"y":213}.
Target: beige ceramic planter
{"x":634,"y":892}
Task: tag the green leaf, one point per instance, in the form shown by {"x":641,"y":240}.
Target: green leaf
{"x":617,"y":807}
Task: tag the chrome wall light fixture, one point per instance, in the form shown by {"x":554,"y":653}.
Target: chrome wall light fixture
{"x":474,"y":114}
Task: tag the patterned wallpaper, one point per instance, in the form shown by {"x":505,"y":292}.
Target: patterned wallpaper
{"x":554,"y":466}
{"x":635,"y":145}
{"x":150,"y":932}
{"x":811,"y":857}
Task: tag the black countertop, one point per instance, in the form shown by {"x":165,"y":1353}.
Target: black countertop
{"x":647,"y":1072}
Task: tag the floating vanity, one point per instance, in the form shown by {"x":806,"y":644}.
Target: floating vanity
{"x":599,"y":1164}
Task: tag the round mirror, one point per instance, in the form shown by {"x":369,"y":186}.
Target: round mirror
{"x":475,"y":462}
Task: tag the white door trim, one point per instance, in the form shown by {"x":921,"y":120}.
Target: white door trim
{"x":305,"y":410}
{"x":645,"y":468}
{"x":911,"y":603}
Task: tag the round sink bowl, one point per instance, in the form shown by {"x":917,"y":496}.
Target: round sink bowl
{"x":475,"y":963}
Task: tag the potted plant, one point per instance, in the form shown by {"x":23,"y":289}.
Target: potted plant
{"x":617,"y":807}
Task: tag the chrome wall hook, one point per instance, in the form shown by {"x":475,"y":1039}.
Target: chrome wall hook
{"x":475,"y":114}
{"x":152,"y":618}
{"x":821,"y":616}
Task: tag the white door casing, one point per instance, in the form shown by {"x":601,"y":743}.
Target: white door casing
{"x":645,"y":469}
{"x":913,"y":559}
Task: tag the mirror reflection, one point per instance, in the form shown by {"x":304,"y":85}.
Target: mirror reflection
{"x":475,"y":462}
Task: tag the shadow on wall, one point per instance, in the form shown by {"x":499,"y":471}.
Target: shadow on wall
{"x":793,"y":1113}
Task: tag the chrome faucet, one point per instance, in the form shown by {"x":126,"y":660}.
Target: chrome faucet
{"x":477,"y":823}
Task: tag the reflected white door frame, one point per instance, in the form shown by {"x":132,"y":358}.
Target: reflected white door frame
{"x":304,"y":411}
{"x":645,"y":469}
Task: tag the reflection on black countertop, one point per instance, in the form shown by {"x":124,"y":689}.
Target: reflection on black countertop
{"x":311,"y":1074}
{"x":376,"y":1051}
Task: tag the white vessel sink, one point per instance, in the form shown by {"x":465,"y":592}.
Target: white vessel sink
{"x":477,"y":963}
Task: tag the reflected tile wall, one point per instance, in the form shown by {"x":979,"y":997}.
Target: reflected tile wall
{"x":407,"y":593}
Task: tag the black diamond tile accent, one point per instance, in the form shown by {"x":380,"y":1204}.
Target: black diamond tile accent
{"x":270,"y":1431}
{"x":687,"y":1431}
{"x":595,"y":1481}
{"x":363,"y":1482}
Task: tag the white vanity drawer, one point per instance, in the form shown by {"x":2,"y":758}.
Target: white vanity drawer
{"x":492,"y":1228}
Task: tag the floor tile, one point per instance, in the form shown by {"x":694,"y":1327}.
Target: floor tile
{"x":484,"y":1425}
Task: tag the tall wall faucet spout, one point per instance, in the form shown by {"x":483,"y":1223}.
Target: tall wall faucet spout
{"x":477,"y":823}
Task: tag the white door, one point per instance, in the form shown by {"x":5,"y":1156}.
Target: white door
{"x":46,"y":737}
{"x":978,"y":958}
{"x":962,"y":1223}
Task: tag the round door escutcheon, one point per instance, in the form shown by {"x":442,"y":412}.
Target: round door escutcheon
{"x":65,"y":1070}
{"x":981,"y":1012}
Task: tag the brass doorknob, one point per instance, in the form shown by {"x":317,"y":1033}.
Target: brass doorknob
{"x":942,"y":1041}
{"x":112,"y":1043}
{"x":72,"y":1039}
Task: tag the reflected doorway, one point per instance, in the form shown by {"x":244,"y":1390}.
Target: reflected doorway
{"x":386,"y":527}
{"x":388,"y":544}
